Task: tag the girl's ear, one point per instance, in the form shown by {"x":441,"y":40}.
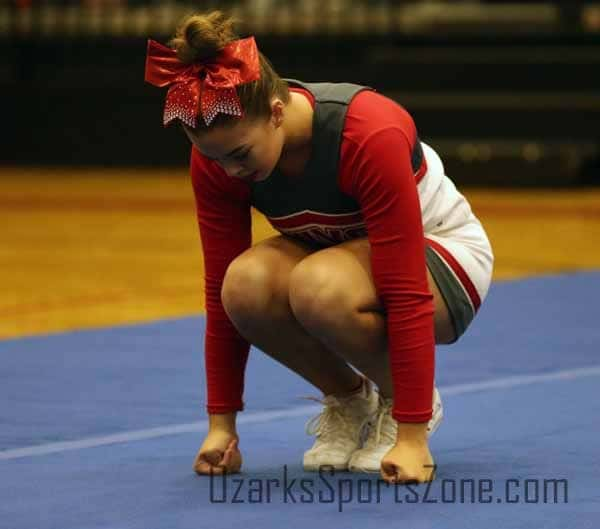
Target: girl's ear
{"x":277,"y":112}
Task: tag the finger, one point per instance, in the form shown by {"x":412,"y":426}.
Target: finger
{"x":389,"y":471}
{"x":392,"y":473}
{"x":217,"y":470}
{"x":227,"y":456}
{"x":233,"y":447}
{"x":202,"y":467}
{"x":213,"y":457}
{"x":231,"y":458}
{"x":229,"y":452}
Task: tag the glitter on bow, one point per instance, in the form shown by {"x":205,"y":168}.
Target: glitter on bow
{"x":206,"y":87}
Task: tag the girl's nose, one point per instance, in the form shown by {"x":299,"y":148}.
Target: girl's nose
{"x":233,"y":169}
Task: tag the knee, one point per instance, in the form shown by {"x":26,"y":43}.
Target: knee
{"x":316,"y":297}
{"x":248,"y":290}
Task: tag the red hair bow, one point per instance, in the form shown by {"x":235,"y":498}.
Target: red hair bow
{"x":207,"y":86}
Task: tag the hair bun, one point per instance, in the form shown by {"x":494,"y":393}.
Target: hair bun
{"x":202,"y":36}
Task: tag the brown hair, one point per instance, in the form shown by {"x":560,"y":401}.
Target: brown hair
{"x":201,"y":37}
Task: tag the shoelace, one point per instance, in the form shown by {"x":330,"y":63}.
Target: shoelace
{"x":323,"y":423}
{"x":384,"y":409}
{"x":329,"y":419}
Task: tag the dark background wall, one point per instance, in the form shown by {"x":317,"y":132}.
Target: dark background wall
{"x":503,"y":107}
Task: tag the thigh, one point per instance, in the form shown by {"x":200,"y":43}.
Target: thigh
{"x":350,"y":263}
{"x":280,"y":254}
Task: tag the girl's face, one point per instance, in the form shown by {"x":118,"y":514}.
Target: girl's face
{"x":248,"y":150}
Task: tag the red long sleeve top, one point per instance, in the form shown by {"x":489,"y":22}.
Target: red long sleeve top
{"x":375,"y":169}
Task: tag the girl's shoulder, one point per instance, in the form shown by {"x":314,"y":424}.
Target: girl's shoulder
{"x":370,"y":111}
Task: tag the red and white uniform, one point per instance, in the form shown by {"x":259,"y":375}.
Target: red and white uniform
{"x":399,"y":209}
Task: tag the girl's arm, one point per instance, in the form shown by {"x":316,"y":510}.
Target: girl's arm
{"x":223,"y":210}
{"x":383,"y":181}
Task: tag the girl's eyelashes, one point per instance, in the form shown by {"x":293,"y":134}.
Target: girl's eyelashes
{"x":241,"y":156}
{"x":238,"y":157}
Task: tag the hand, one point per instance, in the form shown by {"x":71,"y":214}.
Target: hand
{"x":410,"y":459}
{"x":219,"y":454}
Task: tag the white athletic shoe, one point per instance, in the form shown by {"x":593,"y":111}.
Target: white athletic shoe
{"x":340,"y":428}
{"x":382,"y":435}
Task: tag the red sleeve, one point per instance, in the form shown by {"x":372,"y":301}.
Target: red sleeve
{"x":383,"y":182}
{"x":223,"y":208}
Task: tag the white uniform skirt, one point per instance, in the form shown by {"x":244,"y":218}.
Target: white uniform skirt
{"x":458,"y":251}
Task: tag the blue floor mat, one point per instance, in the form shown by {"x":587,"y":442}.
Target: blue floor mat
{"x":91,"y":383}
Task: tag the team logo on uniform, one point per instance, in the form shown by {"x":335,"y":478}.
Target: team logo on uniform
{"x":322,"y":228}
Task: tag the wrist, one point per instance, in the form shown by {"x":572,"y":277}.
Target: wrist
{"x":412,"y":431}
{"x":222,"y":422}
